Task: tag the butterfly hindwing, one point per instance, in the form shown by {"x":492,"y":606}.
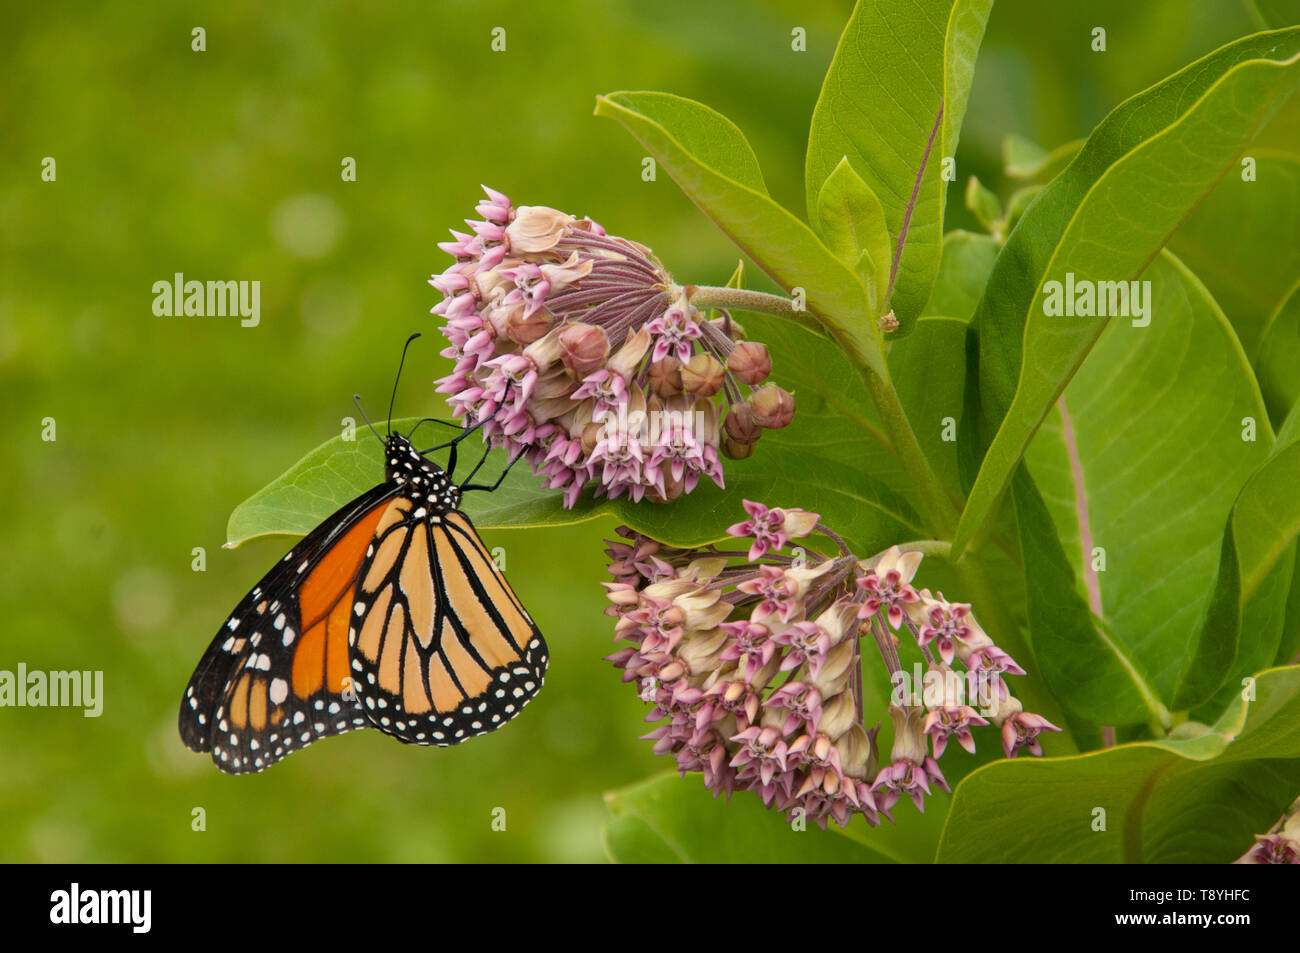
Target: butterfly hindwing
{"x":272,"y":681}
{"x":442,"y":649}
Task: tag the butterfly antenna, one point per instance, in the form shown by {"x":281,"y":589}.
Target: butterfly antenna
{"x":400,"y":364}
{"x":356,"y":399}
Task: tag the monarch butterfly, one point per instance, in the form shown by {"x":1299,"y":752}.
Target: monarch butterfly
{"x":390,"y":614}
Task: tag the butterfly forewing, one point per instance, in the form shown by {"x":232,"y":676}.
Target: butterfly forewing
{"x":272,"y":681}
{"x":442,"y":650}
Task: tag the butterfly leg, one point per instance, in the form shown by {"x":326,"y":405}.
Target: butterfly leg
{"x":481,"y":486}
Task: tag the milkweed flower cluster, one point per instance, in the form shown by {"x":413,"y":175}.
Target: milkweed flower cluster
{"x":752,"y":660}
{"x":575,"y":348}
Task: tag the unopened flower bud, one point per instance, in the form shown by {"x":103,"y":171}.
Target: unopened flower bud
{"x":526,"y":330}
{"x":909,"y":735}
{"x":583,"y":348}
{"x":839,"y":714}
{"x":833,"y":677}
{"x":665,"y":377}
{"x":592,"y":435}
{"x":740,"y":425}
{"x":735,"y":449}
{"x":700,"y":651}
{"x":857,"y":751}
{"x":750,"y":363}
{"x":772,"y":406}
{"x":702,"y":375}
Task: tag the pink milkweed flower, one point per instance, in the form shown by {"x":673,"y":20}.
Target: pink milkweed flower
{"x":1020,"y":729}
{"x":750,"y":645}
{"x":754,"y":669}
{"x":1271,"y":849}
{"x":888,"y":585}
{"x":624,"y":333}
{"x":771,"y":528}
{"x":806,"y":644}
{"x":762,"y":752}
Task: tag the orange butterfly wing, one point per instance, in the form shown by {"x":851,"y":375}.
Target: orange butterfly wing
{"x":273,"y":679}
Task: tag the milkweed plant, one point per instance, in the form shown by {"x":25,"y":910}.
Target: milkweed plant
{"x":1021,"y":490}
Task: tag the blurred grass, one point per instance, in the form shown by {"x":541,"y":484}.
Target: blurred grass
{"x":225,"y":165}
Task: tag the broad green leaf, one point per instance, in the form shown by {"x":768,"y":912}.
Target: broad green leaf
{"x":1267,"y":516}
{"x":852,"y":223}
{"x":1098,"y":221}
{"x":777,"y":241}
{"x":672,"y":820}
{"x":1251,"y":588}
{"x":892,"y":102}
{"x":983,"y":204}
{"x":1026,"y":160}
{"x":1086,"y":668}
{"x":1288,"y":650}
{"x":1145,"y":452}
{"x":1278,"y":364}
{"x":339,"y":471}
{"x":1263,"y":620}
{"x":963,"y":272}
{"x":1198,"y":796}
{"x":929,"y":370}
{"x":860,"y":507}
{"x":1242,"y":242}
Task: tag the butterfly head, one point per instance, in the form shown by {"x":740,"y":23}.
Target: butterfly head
{"x":424,"y":481}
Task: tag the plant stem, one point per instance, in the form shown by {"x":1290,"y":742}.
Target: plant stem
{"x":939,"y":511}
{"x":707,"y":296}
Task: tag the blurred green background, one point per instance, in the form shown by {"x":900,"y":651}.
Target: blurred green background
{"x":225,"y":164}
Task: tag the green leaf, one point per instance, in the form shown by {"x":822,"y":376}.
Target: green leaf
{"x":1267,"y":516}
{"x":984,"y":205}
{"x":901,"y":66}
{"x":929,"y":370}
{"x":1242,"y":243}
{"x":339,"y":471}
{"x":963,"y":272}
{"x":1279,"y":357}
{"x":1248,"y":608}
{"x":783,"y":468}
{"x":1144,"y":451}
{"x":1198,"y":796}
{"x":850,"y":220}
{"x":1100,"y":220}
{"x":672,"y":820}
{"x":1030,"y":162}
{"x":1085,"y":668}
{"x":1288,"y":650}
{"x":673,"y":129}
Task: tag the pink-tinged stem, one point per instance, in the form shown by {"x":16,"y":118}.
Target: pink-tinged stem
{"x":911,"y":204}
